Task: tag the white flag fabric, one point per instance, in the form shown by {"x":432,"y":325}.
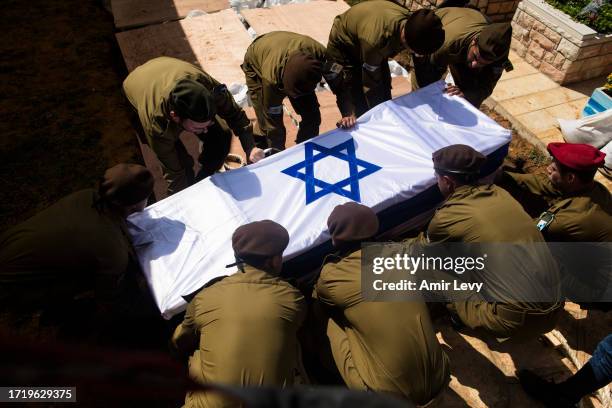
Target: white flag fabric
{"x":384,"y":162}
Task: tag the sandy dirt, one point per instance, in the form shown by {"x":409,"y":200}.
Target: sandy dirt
{"x":63,"y":118}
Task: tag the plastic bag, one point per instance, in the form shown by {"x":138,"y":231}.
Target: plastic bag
{"x":595,"y":130}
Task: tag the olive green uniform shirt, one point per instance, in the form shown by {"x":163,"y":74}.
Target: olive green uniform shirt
{"x":264,"y":64}
{"x":583,"y":217}
{"x":362,"y":39}
{"x":148,"y":89}
{"x":382,"y":346}
{"x":243,"y":330}
{"x":461,"y":25}
{"x":489,"y":214}
{"x":69,"y":246}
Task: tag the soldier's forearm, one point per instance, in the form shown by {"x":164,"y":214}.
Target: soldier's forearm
{"x":246,"y":140}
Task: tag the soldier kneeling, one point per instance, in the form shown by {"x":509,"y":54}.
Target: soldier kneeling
{"x":381,"y":346}
{"x":243,"y":327}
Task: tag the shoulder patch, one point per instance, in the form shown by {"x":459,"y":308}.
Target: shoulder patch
{"x":369,"y":67}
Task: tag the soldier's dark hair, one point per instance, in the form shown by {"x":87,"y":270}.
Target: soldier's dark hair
{"x":585,"y":176}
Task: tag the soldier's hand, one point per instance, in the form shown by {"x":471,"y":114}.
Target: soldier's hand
{"x":347,"y":122}
{"x":256,"y":155}
{"x":453,"y":90}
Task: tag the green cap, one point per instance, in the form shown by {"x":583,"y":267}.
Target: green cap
{"x":494,"y":41}
{"x":191,"y":100}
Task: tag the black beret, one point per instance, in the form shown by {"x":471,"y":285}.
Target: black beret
{"x":494,"y":41}
{"x":191,"y":100}
{"x":126,"y":184}
{"x":351,"y":222}
{"x":458,"y":159}
{"x":423,"y":32}
{"x":301,"y":75}
{"x":260,"y":240}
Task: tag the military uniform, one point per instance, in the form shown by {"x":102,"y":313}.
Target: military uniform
{"x":70,"y":247}
{"x":584,"y":217}
{"x":488,"y":214}
{"x":361,"y":40}
{"x":461,"y":26}
{"x":264,"y":65}
{"x":243,"y":330}
{"x":381,"y":346}
{"x":148,"y":88}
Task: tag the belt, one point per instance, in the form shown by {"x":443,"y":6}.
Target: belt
{"x":506,"y":312}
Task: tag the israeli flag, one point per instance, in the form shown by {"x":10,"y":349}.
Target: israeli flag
{"x":384,"y":162}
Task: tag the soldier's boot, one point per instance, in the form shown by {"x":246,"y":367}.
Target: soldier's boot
{"x":564,"y":394}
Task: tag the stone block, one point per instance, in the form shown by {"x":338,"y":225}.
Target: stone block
{"x":526,"y":20}
{"x":542,"y":40}
{"x":507,"y":7}
{"x":594,"y":62}
{"x":549,"y":57}
{"x":519,"y":48}
{"x":533,"y":60}
{"x":535,"y":50}
{"x":606,"y":48}
{"x":552,"y":72}
{"x":573,"y":77}
{"x":568,"y":49}
{"x":571,"y":67}
{"x":590,"y":51}
{"x":519,"y":32}
{"x":559,"y":60}
{"x":493,"y":8}
{"x":595,"y":72}
{"x":517,"y":16}
{"x":539,"y":26}
{"x":552,"y":35}
{"x":482,"y":3}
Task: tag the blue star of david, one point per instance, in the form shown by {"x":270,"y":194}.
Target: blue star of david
{"x":340,"y":188}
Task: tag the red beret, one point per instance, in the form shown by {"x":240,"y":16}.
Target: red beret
{"x":577,"y":156}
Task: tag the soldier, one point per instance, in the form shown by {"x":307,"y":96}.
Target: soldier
{"x":361,"y":41}
{"x":243,"y":327}
{"x":78,"y":244}
{"x":488,"y":214}
{"x":386,"y":347}
{"x":170,"y":96}
{"x":280,"y":64}
{"x":475,"y":51}
{"x":579,"y":208}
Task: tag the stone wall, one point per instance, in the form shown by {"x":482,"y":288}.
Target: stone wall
{"x":564,"y":50}
{"x":497,"y":10}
